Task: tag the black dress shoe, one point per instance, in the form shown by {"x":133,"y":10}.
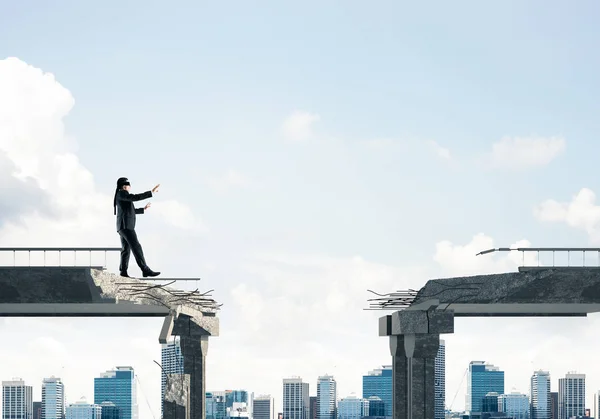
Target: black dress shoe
{"x":124,"y":274}
{"x":150,"y":272}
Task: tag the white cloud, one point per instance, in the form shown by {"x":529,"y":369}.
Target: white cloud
{"x":525,"y":152}
{"x":581,"y":213}
{"x":32,"y":136}
{"x":230,"y":180}
{"x":298,"y":126}
{"x":442,"y":152}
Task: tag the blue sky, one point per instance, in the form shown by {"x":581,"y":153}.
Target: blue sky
{"x":185,"y":95}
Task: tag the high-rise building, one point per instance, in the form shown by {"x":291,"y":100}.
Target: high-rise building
{"x":53,"y":398}
{"x":236,"y":396}
{"x":352,"y":408}
{"x":540,"y":395}
{"x":440,"y":381}
{"x":238,"y":410}
{"x":515,"y":405}
{"x":37,"y":410}
{"x":215,"y":405}
{"x":490,"y":403}
{"x":110,"y":410}
{"x":379,"y":383}
{"x":571,"y":396}
{"x":554,"y":405}
{"x":171,"y":361}
{"x":17,"y":400}
{"x":118,"y":386}
{"x":313,"y":407}
{"x":263,"y":408}
{"x":376,"y":406}
{"x":84,"y":410}
{"x":326,"y":397}
{"x":296,"y":400}
{"x":483,"y":379}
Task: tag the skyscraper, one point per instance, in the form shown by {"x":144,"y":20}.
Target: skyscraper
{"x":571,"y":396}
{"x":540,"y":395}
{"x":483,"y":379}
{"x":110,"y":410}
{"x":326,"y":397}
{"x":37,"y":410}
{"x":554,"y":405}
{"x":17,"y":400}
{"x":53,"y":398}
{"x":263,"y":408}
{"x":376,"y":406}
{"x":313,"y":407}
{"x":236,"y":396}
{"x":440,"y":381}
{"x":379,"y":383}
{"x":215,"y":405}
{"x":118,"y":386}
{"x":84,"y":410}
{"x":515,"y":405}
{"x":296,"y":400}
{"x":353,"y":408}
{"x":171,"y":362}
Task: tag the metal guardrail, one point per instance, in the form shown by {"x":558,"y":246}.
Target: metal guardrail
{"x":59,"y":250}
{"x":553,"y":250}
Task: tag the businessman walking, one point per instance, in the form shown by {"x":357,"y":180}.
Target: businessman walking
{"x":126,"y":212}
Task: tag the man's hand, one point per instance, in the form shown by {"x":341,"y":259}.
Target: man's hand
{"x":155,"y":189}
{"x":147,"y":206}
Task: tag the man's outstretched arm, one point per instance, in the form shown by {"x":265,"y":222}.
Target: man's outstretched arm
{"x":139,"y":210}
{"x":123,"y":195}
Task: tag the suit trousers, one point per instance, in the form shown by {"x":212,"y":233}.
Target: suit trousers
{"x":130,"y":243}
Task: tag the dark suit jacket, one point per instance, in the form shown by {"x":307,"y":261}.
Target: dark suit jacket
{"x":126,"y":211}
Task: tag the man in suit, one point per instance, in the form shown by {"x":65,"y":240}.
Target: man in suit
{"x":126,"y":212}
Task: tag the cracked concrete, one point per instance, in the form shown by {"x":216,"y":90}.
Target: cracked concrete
{"x":552,"y":291}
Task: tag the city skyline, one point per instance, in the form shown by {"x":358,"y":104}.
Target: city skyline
{"x":307,"y":152}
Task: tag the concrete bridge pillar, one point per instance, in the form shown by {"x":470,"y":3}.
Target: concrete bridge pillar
{"x":194,"y":350}
{"x":414,"y":342}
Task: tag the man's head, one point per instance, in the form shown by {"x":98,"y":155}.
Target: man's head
{"x":123,"y":183}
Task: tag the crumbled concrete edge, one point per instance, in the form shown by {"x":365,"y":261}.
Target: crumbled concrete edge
{"x":537,"y":287}
{"x":113,"y":287}
{"x":177,"y":389}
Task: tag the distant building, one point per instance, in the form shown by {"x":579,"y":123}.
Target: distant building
{"x":554,"y":405}
{"x":440,"y":381}
{"x":37,"y":410}
{"x":263,"y":408}
{"x":313,"y":407}
{"x":238,"y":410}
{"x":296,"y":400}
{"x":541,"y":403}
{"x":17,"y":400}
{"x":483,"y":379}
{"x":110,"y":410}
{"x":53,"y":398}
{"x":490,"y":403}
{"x":236,"y":396}
{"x":379,"y":383}
{"x":571,"y":396}
{"x":171,"y":360}
{"x":352,"y":407}
{"x":376,"y":407}
{"x":215,"y":405}
{"x":515,"y":405}
{"x":119,"y":387}
{"x":84,"y":410}
{"x":326,"y":397}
